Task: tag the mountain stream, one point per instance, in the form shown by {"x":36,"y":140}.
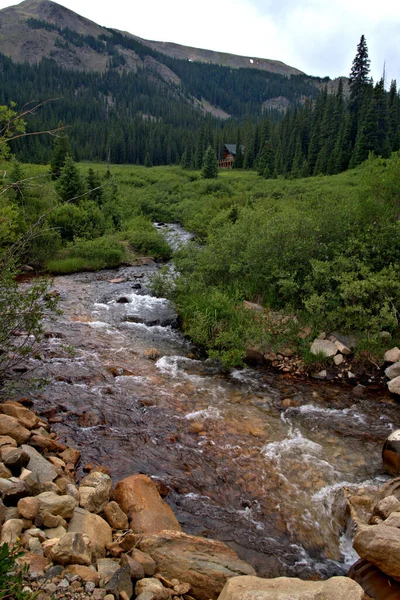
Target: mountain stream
{"x":253,"y":458}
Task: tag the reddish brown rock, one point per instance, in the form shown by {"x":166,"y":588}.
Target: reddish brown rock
{"x":70,"y":455}
{"x":10,"y":426}
{"x":205,"y":564}
{"x":144,"y":559}
{"x":85,"y":573}
{"x":138,"y":497}
{"x":25,"y":416}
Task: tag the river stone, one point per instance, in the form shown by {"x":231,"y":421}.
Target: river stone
{"x":29,"y":507}
{"x":393,"y":520}
{"x":136,"y":569}
{"x":394,"y":385}
{"x":94,"y":492}
{"x":4,"y":472}
{"x":57,"y":505}
{"x":138,"y":497}
{"x":106,"y":567}
{"x":204,"y":564}
{"x":3,"y":511}
{"x":392,"y":355}
{"x":39,"y":465}
{"x":11,"y":531}
{"x":120,"y":582}
{"x":145,"y":560}
{"x":380,"y":545}
{"x":16,"y":460}
{"x":25,"y":416}
{"x":85,"y":573}
{"x":393,"y":371}
{"x":385,"y":507}
{"x":96,"y":528}
{"x":115,"y":516}
{"x":153,"y":586}
{"x":72,"y":548}
{"x":324,"y":347}
{"x":291,"y":588}
{"x":12,"y":427}
{"x":12,"y":490}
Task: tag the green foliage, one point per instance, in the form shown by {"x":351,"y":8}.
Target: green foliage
{"x":21,"y":310}
{"x":210,"y":165}
{"x":12,"y":126}
{"x":69,"y":185}
{"x":145,"y":239}
{"x":88,"y":255}
{"x":60,"y":152}
{"x":11,"y":575}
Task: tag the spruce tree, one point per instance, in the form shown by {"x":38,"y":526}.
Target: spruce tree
{"x":60,"y":151}
{"x":210,"y":165}
{"x":69,"y":184}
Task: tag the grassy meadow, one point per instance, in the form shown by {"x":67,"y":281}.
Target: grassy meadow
{"x":325,"y":249}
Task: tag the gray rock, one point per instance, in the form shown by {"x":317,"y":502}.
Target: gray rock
{"x":94,"y":492}
{"x":16,"y":460}
{"x":120,"y":582}
{"x":106,"y":567}
{"x":152,"y":586}
{"x":57,"y":505}
{"x":39,"y":466}
{"x":394,"y":385}
{"x":72,"y":548}
{"x":324,"y":347}
{"x":12,"y":490}
{"x":393,"y":371}
{"x":392,"y":355}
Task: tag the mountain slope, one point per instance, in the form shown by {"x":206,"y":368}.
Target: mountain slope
{"x":20,"y":42}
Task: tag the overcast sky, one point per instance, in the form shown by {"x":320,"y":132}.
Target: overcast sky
{"x":319,"y":37}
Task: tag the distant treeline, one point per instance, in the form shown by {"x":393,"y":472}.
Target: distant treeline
{"x":139,"y":118}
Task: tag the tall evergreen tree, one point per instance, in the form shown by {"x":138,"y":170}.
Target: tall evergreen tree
{"x":69,"y":184}
{"x":210,"y":165}
{"x":60,"y":151}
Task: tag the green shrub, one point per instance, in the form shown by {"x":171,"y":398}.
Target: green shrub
{"x":11,"y":575}
{"x":144,"y":238}
{"x":88,"y":255}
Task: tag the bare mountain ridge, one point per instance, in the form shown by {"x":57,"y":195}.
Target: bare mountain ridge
{"x":38,"y":29}
{"x":22,"y":43}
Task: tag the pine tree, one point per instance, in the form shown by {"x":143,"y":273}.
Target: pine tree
{"x":359,"y":84}
{"x":210,"y":165}
{"x":69,"y":184}
{"x":94,"y":186}
{"x":60,"y":151}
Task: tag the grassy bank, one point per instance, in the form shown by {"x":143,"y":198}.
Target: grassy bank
{"x":326,"y":249}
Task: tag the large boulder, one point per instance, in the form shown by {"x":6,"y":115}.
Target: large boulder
{"x":97,"y":529}
{"x":26,"y":417}
{"x":138,"y":497}
{"x":94,"y":492}
{"x":291,"y":588}
{"x":205,"y":564}
{"x":72,"y":548}
{"x":57,"y":505}
{"x":11,"y":427}
{"x":380,"y":545}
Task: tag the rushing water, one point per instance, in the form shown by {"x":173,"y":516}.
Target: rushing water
{"x":252,"y":458}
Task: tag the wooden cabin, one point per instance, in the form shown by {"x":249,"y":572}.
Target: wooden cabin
{"x":226,"y":162}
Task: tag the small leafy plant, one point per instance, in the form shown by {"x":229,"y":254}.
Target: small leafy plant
{"x":11,"y":575}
